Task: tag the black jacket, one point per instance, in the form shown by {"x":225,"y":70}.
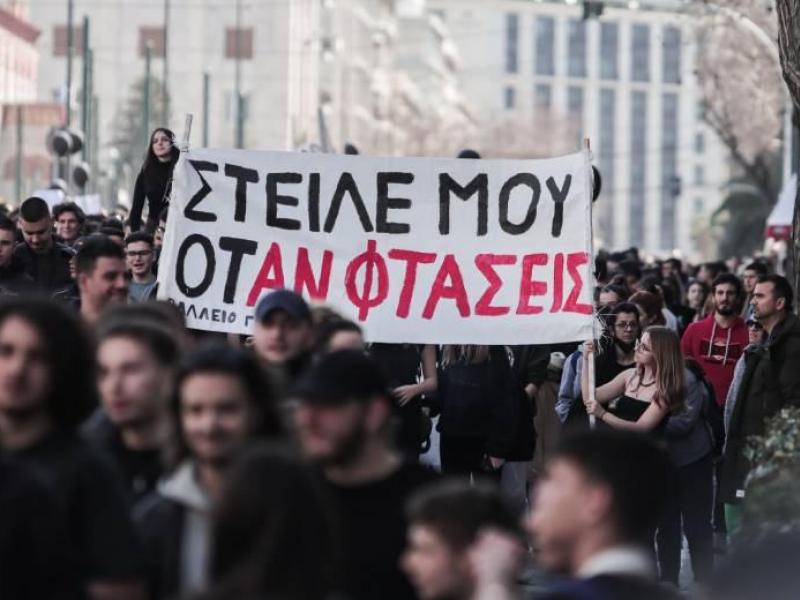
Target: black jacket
{"x":154,"y":184}
{"x":486,"y":401}
{"x":50,"y":272}
{"x":14,"y":281}
{"x":771,"y":382}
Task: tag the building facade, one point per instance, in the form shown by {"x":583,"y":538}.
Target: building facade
{"x":272,"y":45}
{"x":626,"y":81}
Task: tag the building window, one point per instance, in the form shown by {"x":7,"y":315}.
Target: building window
{"x":670,"y":182}
{"x":154,"y":36}
{"x":640,"y":53}
{"x":575,"y":109}
{"x":671,"y":56}
{"x":512,"y":43}
{"x":605,"y":155}
{"x":700,"y":143}
{"x":545,"y":40}
{"x":576,"y":65}
{"x":60,"y":40}
{"x":609,"y":51}
{"x":638,"y":165}
{"x":698,"y":206}
{"x":542,"y":96}
{"x":510,"y":100}
{"x":699,"y":175}
{"x":241,"y":39}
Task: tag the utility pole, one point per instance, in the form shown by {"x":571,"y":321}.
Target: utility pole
{"x":239,"y":134}
{"x":86,"y":94}
{"x":18,"y":174}
{"x":70,"y":49}
{"x":148,"y":55}
{"x":165,"y":85}
{"x":206,"y":90}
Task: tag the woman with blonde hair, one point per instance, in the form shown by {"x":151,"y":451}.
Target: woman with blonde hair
{"x":663,"y":397}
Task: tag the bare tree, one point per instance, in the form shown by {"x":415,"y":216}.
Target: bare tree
{"x":789,"y":43}
{"x":743,"y":100}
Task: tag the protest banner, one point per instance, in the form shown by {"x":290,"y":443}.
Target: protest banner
{"x":418,"y":250}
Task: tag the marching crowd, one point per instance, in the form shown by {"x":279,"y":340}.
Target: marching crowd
{"x":140,"y":459}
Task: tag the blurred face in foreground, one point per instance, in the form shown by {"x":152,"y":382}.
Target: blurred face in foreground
{"x":134,"y":387}
{"x":216,"y":416}
{"x":566,"y":506}
{"x":335,"y":435}
{"x":24,"y":370}
{"x":437,"y":570}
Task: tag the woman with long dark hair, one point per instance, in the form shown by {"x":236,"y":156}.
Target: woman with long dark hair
{"x":154,"y":181}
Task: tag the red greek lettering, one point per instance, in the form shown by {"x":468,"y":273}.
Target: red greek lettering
{"x":413,"y":260}
{"x":485,"y":264}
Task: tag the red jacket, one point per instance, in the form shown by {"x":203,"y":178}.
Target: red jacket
{"x":718,"y":356}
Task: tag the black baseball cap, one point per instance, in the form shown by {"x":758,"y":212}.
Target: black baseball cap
{"x":340,"y":377}
{"x":284,"y":300}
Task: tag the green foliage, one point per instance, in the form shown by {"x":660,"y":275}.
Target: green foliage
{"x":773,"y":486}
{"x":741,"y":219}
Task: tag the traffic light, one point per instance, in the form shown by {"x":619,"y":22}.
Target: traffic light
{"x":63,"y":143}
{"x":592,"y":9}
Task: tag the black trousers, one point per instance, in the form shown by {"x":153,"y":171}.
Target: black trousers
{"x":688,"y":510}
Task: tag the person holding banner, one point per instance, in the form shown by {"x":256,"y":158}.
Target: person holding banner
{"x":154,"y":181}
{"x":663,"y":397}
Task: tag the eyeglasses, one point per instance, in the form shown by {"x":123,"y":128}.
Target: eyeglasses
{"x":640,"y":347}
{"x":754,"y":325}
{"x":139,"y":253}
{"x":626,"y":326}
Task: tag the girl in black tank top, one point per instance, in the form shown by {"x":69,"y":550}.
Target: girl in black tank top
{"x":646,"y":395}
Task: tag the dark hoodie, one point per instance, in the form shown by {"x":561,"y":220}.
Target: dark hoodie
{"x":771,"y":382}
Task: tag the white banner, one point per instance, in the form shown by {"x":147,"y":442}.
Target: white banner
{"x":418,"y":250}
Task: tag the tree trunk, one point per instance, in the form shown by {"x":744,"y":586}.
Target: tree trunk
{"x":789,"y":43}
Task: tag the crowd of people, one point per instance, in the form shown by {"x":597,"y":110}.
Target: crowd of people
{"x":143,"y":460}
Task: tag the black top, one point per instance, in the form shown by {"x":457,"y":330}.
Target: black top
{"x":49,"y":271}
{"x":92,"y":502}
{"x":139,"y":469}
{"x":153,"y":183}
{"x":34,"y":551}
{"x":374,"y":533}
{"x":631,"y":409}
